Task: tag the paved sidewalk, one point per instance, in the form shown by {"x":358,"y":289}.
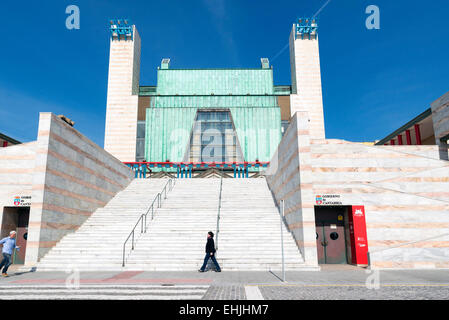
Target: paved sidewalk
{"x":329,"y":283}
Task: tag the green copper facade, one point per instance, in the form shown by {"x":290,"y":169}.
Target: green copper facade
{"x":247,"y":93}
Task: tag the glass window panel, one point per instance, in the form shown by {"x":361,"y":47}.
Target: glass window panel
{"x":140,"y":129}
{"x":213,"y":138}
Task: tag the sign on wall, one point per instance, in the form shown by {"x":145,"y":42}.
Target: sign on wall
{"x":22,"y":201}
{"x":359,"y":240}
{"x":328,"y":200}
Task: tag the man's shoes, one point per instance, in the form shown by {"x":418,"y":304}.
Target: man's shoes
{"x":200,"y":270}
{"x":217,"y":270}
{"x":5,"y":275}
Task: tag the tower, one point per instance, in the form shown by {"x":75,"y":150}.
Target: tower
{"x":123,"y":91}
{"x":306,"y":74}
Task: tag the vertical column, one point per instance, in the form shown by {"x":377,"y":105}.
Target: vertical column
{"x":122,"y":97}
{"x":392,"y":142}
{"x":5,"y":144}
{"x":408,"y":137}
{"x":306,"y":75}
{"x":39,"y":178}
{"x":418,"y":134}
{"x":400,"y":140}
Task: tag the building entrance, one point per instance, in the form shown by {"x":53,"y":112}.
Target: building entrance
{"x":16,"y":218}
{"x":341,"y":235}
{"x":331,"y":236}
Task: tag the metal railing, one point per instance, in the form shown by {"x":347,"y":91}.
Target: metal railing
{"x":218,"y":213}
{"x":282,"y":238}
{"x":184,"y":169}
{"x":143,"y":218}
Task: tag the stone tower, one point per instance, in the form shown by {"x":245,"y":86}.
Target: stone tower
{"x":306,"y":75}
{"x":123,"y":91}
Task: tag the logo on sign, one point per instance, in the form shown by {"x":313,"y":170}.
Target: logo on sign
{"x":358,"y":212}
{"x":22,"y":201}
{"x":328,"y":200}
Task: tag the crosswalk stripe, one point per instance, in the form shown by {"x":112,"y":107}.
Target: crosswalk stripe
{"x":253,"y":293}
{"x":112,"y":286}
{"x":101,"y":297}
{"x":55,"y":291}
{"x":103,"y":292}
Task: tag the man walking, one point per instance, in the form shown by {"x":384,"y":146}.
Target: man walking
{"x":210,"y":253}
{"x":9,"y":244}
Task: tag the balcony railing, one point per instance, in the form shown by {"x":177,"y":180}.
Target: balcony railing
{"x":144,"y":170}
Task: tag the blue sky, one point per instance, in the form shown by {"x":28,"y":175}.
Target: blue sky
{"x":373,"y":80}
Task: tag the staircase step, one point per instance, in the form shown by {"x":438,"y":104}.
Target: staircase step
{"x":249,"y":237}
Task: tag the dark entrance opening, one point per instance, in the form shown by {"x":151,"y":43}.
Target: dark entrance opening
{"x":332,"y":234}
{"x":16,"y":218}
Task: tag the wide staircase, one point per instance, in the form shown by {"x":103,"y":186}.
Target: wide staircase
{"x":249,"y":236}
{"x":98,"y":243}
{"x":176,"y":238}
{"x":250,"y":229}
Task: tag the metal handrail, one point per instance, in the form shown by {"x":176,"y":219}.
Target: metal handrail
{"x":143,"y":217}
{"x":281,"y":216}
{"x":218,"y":213}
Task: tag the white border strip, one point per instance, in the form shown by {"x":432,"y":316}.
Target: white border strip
{"x":253,"y":293}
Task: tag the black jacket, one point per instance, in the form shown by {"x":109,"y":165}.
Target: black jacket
{"x":210,"y":246}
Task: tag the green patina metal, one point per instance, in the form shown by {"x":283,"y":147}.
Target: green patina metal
{"x":249,"y":94}
{"x":214,"y":101}
{"x":214,"y":81}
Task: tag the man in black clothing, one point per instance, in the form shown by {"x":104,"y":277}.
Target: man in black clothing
{"x":210,"y":253}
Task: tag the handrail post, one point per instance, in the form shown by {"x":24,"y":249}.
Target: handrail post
{"x":282,"y":240}
{"x":132,"y":246}
{"x":123,"y":262}
{"x":141,"y":225}
{"x":219,"y":211}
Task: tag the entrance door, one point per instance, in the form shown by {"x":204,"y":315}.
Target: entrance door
{"x":330,"y":235}
{"x":16,"y":218}
{"x":21,"y":241}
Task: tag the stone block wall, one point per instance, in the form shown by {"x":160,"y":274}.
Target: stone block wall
{"x":440,"y":118}
{"x":289,"y":178}
{"x":16,"y":170}
{"x":405,"y":191}
{"x":72,"y":177}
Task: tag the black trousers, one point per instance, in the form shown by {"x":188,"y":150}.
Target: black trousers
{"x":206,"y":258}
